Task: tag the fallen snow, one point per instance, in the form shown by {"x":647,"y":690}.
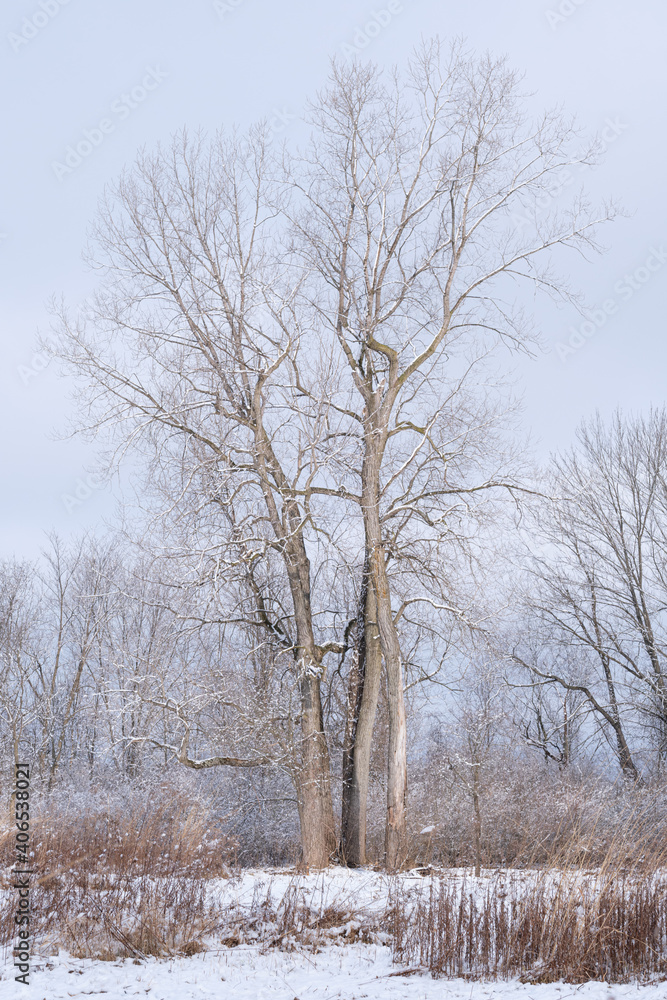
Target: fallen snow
{"x":368,"y":891}
{"x":348,"y":973}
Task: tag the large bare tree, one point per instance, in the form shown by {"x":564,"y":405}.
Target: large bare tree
{"x":186,"y":353}
{"x":402,"y":209}
{"x":303,"y":343}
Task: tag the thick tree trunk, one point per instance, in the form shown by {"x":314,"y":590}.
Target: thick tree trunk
{"x":318,"y":829}
{"x":313,"y":778}
{"x":318,"y":833}
{"x":397,"y":776}
{"x":397,"y":773}
{"x":364,"y":690}
{"x":355,"y":687}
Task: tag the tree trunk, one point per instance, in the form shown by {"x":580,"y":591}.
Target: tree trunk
{"x":318,"y":833}
{"x":313,"y":779}
{"x":318,"y":828}
{"x":628,"y":766}
{"x":477,"y":818}
{"x":397,"y":775}
{"x":364,"y":691}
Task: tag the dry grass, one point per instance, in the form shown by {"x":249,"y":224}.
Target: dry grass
{"x":530,"y":817}
{"x":597,"y":909}
{"x":124,"y":879}
{"x":161,"y":834}
{"x":127,"y":917}
{"x":134,"y":882}
{"x":290,"y":923}
{"x":108,"y":917}
{"x":546,"y":926}
{"x":557,"y":927}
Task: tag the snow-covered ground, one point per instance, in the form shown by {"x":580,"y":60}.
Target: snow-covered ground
{"x":341,"y":969}
{"x":368,"y":890}
{"x":348,"y":973}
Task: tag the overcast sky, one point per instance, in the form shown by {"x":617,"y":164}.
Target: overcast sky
{"x":145,"y":68}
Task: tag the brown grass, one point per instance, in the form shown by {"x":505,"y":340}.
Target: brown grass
{"x":546,"y":926}
{"x":161,"y":834}
{"x":123,"y":879}
{"x":584,"y":915}
{"x":127,"y":917}
{"x":530,"y":817}
{"x":133,"y":882}
{"x":569,"y":929}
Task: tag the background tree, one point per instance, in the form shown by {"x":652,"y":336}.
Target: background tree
{"x":601,"y":595}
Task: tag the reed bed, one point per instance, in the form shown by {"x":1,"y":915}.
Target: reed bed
{"x":553,"y":926}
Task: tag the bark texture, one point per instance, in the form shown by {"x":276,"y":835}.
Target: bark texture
{"x":364,"y":690}
{"x":397,"y":777}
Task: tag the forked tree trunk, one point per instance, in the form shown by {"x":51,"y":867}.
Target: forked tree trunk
{"x":364,"y":691}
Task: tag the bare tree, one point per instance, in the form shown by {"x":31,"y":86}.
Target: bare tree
{"x":551,"y":721}
{"x":19,"y":642}
{"x":468,"y":740}
{"x":401,"y":211}
{"x":185,"y":353}
{"x":602,"y":584}
{"x":288,"y":342}
{"x":53,"y":618}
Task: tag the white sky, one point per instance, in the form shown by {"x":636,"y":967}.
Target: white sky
{"x":601,"y":59}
